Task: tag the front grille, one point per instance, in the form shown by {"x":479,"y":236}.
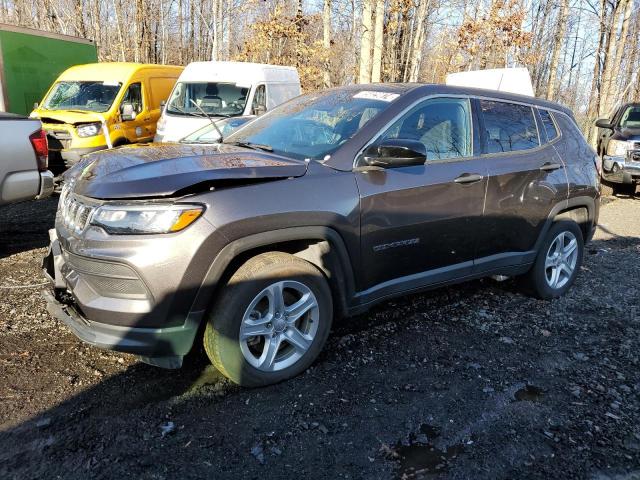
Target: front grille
{"x":74,"y":213}
{"x":59,"y":139}
{"x":60,"y":134}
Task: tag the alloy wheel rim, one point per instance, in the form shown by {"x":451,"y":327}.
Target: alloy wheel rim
{"x":279,"y":326}
{"x":561,"y":260}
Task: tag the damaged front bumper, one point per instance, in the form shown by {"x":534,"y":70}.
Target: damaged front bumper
{"x":162,"y":347}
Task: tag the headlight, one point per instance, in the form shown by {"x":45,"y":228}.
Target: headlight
{"x":617,"y":148}
{"x":130,"y":219}
{"x":89,"y":129}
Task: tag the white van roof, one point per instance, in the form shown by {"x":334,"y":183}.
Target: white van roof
{"x":238,"y":72}
{"x":511,"y":80}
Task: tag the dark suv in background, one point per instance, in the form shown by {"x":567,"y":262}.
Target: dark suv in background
{"x":314,"y":212}
{"x":619,"y":148}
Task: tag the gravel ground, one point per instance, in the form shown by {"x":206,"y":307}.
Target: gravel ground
{"x":476,"y":381}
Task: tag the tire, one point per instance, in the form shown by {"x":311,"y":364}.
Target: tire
{"x":540,"y":279}
{"x":248,"y":304}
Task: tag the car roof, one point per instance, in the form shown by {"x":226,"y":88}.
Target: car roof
{"x":425,"y":89}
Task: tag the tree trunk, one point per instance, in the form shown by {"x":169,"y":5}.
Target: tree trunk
{"x":594,"y":105}
{"x":609,"y":65}
{"x":612,"y":89}
{"x":376,"y":67}
{"x":418,"y":40}
{"x":552,"y":85}
{"x":365,"y":43}
{"x":326,"y":42}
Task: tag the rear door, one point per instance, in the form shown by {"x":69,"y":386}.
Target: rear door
{"x":527,"y":179}
{"x":418,"y":223}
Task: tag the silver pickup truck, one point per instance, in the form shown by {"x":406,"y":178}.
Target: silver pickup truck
{"x":23,"y":160}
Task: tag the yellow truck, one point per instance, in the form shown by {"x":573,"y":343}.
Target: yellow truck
{"x":102,"y":105}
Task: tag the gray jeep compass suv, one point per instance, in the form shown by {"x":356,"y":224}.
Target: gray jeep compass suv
{"x":314,"y":212}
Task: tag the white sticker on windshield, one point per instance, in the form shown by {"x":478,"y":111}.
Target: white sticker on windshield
{"x":107,"y":83}
{"x":382,"y":96}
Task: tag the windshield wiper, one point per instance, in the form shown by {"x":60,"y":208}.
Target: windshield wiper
{"x":251,"y":145}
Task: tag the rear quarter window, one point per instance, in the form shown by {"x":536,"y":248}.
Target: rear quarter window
{"x":548,"y":124}
{"x":509,"y":127}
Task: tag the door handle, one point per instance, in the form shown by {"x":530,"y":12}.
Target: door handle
{"x":468,"y":178}
{"x":549,"y":167}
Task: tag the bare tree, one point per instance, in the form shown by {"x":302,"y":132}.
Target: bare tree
{"x":366,"y":41}
{"x":376,"y":67}
{"x":326,"y":40}
{"x":557,"y":45}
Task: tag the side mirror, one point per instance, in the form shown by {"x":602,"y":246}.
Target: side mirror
{"x":396,"y":152}
{"x":162,"y":104}
{"x":604,"y":123}
{"x":127,"y":112}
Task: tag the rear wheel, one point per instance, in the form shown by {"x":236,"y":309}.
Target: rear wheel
{"x":558,"y":261}
{"x":271,"y":320}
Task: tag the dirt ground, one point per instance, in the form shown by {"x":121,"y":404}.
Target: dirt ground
{"x":476,"y":381}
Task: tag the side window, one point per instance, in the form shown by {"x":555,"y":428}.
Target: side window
{"x":509,"y":126}
{"x":259,"y":105}
{"x":443,"y":125}
{"x":549,"y":126}
{"x":134,"y":97}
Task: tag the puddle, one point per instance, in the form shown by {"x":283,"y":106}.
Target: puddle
{"x":530,"y":393}
{"x":421,"y":459}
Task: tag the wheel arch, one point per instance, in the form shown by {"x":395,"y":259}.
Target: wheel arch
{"x":321,"y":246}
{"x":580,"y":209}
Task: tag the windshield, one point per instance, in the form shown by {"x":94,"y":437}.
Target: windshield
{"x":314,"y":125}
{"x":88,"y":96}
{"x":631,"y":118}
{"x":208,"y":133}
{"x":210,"y":98}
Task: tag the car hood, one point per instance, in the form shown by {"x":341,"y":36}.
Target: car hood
{"x":164,"y":170}
{"x":70,"y":117}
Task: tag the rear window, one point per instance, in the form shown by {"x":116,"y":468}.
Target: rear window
{"x":548,"y":124}
{"x":509,"y":127}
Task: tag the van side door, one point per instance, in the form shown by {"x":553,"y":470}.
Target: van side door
{"x":527,"y":178}
{"x":419,"y":223}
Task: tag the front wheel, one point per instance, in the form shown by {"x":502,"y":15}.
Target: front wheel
{"x":270,"y":321}
{"x":558,"y":261}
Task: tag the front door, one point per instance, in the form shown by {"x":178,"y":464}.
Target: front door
{"x":141,"y":128}
{"x":419,"y":223}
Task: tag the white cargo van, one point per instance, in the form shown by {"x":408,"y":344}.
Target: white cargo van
{"x":223,"y":89}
